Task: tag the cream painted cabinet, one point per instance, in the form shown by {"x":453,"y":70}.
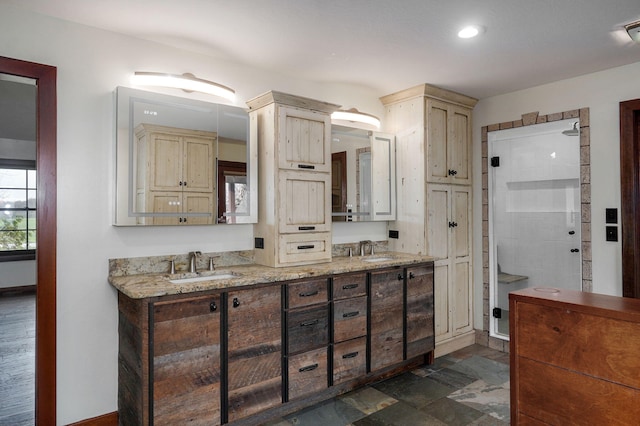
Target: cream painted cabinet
{"x":294,"y":216}
{"x":433,"y":154}
{"x":175,"y":174}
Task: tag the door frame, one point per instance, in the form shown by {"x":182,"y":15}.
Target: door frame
{"x":630,"y":196}
{"x":46,"y":103}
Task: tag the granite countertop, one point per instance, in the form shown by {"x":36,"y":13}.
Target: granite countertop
{"x":144,"y":286}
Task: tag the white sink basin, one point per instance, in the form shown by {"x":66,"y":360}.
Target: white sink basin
{"x":221,"y":276}
{"x":377,"y":259}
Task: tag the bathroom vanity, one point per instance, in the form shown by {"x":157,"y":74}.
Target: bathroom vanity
{"x":249,"y":343}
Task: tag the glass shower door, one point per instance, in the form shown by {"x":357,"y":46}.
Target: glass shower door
{"x":534,"y":213}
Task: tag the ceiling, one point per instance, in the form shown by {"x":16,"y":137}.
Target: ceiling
{"x":382,"y":44}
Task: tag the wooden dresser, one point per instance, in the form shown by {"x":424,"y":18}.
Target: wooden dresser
{"x":575,"y":358}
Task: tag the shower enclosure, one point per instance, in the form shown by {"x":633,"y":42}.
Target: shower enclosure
{"x":534,"y":213}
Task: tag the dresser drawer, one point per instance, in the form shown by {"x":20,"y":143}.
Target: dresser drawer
{"x":349,"y":360}
{"x":307,"y":329}
{"x":300,"y":249}
{"x":305,"y":293}
{"x":351,"y":285}
{"x":349,"y":318}
{"x":308,"y":373}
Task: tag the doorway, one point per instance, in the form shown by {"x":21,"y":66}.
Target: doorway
{"x":534,"y":214}
{"x":45,"y":303}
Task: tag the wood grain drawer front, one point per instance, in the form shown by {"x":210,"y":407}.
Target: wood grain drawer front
{"x":350,"y":285}
{"x":304,"y":248}
{"x":307,"y":329}
{"x":349,"y":318}
{"x":560,"y":397}
{"x":568,"y":339}
{"x":349,"y":360}
{"x":307,"y":293}
{"x":308,"y":373}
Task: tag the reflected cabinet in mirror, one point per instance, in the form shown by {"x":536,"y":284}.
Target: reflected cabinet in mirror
{"x":182,"y":161}
{"x":363,"y":175}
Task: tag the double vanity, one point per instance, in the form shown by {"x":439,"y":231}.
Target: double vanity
{"x":246,"y":343}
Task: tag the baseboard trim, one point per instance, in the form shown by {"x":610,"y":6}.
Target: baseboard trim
{"x":9,"y":291}
{"x":456,"y":343}
{"x":109,"y":419}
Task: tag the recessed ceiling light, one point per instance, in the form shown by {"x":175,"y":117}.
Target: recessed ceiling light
{"x":470,"y":31}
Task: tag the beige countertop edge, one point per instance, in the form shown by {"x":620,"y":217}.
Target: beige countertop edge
{"x":156,"y":285}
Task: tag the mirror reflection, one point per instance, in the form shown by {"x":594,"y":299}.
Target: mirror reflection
{"x":362,"y":175}
{"x":182,"y":161}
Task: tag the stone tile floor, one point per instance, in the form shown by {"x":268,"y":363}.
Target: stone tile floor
{"x":466,"y":387}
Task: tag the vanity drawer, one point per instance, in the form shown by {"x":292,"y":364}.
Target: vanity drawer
{"x":300,"y":249}
{"x":308,"y":373}
{"x":307,"y":293}
{"x":349,"y":318}
{"x":307,"y":329}
{"x":349,"y":360}
{"x":351,"y":285}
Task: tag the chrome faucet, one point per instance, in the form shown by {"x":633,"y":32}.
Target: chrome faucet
{"x":363,"y":244}
{"x":192,"y":261}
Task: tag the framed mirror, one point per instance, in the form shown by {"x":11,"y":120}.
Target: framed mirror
{"x":182,"y":162}
{"x":363,"y":171}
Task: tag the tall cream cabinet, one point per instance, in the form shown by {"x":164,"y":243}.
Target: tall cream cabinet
{"x":294,"y":154}
{"x":433,"y":147}
{"x":175,"y":173}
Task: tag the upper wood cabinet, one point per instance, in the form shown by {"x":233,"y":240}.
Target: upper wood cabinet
{"x":175,"y":174}
{"x":448,"y":143}
{"x":293,"y":136}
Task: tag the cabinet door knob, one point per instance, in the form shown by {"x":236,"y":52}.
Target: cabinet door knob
{"x":575,"y":250}
{"x":400,"y":277}
{"x":411,"y":275}
{"x":213,"y":307}
{"x":236,"y":302}
{"x":452,"y":172}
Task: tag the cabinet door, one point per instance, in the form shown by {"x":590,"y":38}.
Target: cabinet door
{"x":198,"y":202}
{"x":198,"y":170}
{"x":165,"y":162}
{"x":383,"y":176}
{"x":420,"y":325}
{"x":438,"y":221}
{"x":254,"y":350}
{"x":442,"y":300}
{"x":186,"y":361}
{"x":386,"y":320}
{"x":304,"y":140}
{"x":304,"y":202}
{"x":448,"y":143}
{"x":165,"y":202}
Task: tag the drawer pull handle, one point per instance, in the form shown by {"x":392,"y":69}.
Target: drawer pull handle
{"x":306,"y":166}
{"x":308,"y":368}
{"x":311,"y":293}
{"x":309,"y":323}
{"x":306,"y":247}
{"x":351,"y":355}
{"x":306,"y":228}
{"x":350,"y":314}
{"x":349,"y":286}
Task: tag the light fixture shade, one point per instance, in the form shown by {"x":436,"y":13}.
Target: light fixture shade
{"x":353,"y":115}
{"x":186,"y":82}
{"x":633,"y":29}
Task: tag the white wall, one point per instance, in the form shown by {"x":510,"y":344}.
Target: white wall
{"x":91,"y":63}
{"x":601,"y":92}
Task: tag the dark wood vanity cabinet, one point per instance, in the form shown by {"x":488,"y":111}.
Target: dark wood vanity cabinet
{"x":254,"y":351}
{"x":241,"y":355}
{"x":185,"y":375}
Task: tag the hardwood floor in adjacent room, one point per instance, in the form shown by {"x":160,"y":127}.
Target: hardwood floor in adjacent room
{"x":17,"y":359}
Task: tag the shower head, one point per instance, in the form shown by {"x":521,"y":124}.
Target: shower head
{"x":572,"y":132}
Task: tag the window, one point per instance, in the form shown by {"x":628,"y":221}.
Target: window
{"x":17,"y":210}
